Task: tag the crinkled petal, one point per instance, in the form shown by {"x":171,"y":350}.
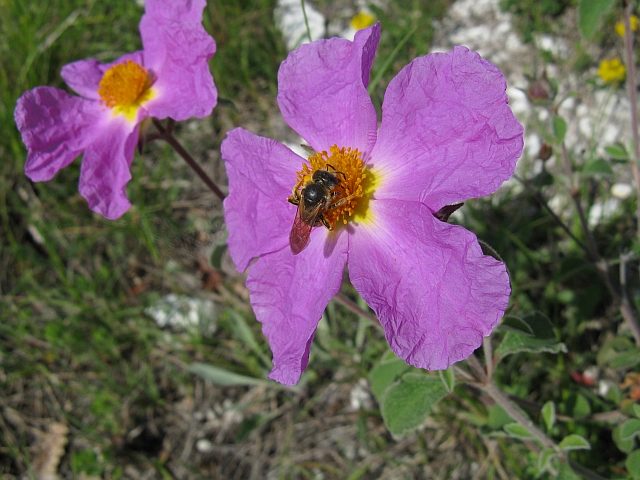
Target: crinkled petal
{"x":262,"y":173}
{"x":435,"y":293}
{"x":447,"y":132}
{"x":84,"y":76}
{"x":177,"y":50}
{"x":288,"y":294}
{"x":105,"y":168}
{"x":56,"y":127}
{"x":322,"y":92}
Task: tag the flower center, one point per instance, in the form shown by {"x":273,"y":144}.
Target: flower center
{"x":347,"y":195}
{"x":125,"y":86}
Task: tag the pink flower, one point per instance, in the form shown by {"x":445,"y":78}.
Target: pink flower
{"x":447,"y":135}
{"x":170,"y":77}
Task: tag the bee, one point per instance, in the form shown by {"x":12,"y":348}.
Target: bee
{"x":318,"y":196}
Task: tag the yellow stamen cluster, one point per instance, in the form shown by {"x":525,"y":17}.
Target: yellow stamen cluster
{"x":348,"y":166}
{"x":125,"y":85}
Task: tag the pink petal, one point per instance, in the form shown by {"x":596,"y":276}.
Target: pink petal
{"x":435,"y":293}
{"x":289,"y":294}
{"x":84,"y":76}
{"x":262,"y":173}
{"x":56,"y":127}
{"x":177,"y":50}
{"x":105,"y":169}
{"x":322,"y":92}
{"x":447,"y":132}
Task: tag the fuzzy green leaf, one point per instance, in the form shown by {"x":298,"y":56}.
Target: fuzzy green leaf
{"x":385,"y":373}
{"x":630,"y":429}
{"x":549,"y":414}
{"x":574,"y":442}
{"x":633,"y":464}
{"x":559,"y":128}
{"x":511,"y":323}
{"x":617,"y":151}
{"x":598,"y":167}
{"x":515,"y":430}
{"x":544,"y":459}
{"x":408,"y":401}
{"x":626,"y":445}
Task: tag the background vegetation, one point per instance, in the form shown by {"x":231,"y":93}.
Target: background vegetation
{"x":91,"y":386}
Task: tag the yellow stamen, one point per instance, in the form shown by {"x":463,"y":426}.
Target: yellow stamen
{"x":125,"y":86}
{"x":354,"y":182}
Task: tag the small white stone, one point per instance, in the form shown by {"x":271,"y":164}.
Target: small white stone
{"x":621,"y":190}
{"x":204,"y":446}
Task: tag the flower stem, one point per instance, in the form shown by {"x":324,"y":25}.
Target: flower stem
{"x":631,"y":90}
{"x":350,"y":305}
{"x":166,"y":134}
{"x":601,"y":265}
{"x":306,"y":20}
{"x":497,"y":395}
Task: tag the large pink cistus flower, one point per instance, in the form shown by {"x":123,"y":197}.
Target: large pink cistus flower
{"x":170,"y":77}
{"x":447,"y":135}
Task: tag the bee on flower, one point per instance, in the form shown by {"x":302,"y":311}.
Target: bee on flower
{"x":370,"y":201}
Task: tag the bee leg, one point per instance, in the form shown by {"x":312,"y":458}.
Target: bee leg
{"x":295,"y":194}
{"x":325,"y":223}
{"x":341,"y":201}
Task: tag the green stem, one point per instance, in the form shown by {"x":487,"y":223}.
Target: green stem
{"x":306,"y":20}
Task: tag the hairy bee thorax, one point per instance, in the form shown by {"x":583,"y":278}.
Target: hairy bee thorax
{"x":348,"y":167}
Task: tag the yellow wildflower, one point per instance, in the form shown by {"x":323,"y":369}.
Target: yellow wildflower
{"x":612,"y":71}
{"x":362,"y":20}
{"x":619,"y":28}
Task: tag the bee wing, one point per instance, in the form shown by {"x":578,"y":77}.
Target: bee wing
{"x":300,"y":232}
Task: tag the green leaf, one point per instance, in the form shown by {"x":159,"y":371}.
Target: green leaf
{"x":630,"y":429}
{"x":543,"y":340}
{"x":574,"y":442}
{"x":576,"y":406}
{"x":246,"y":336}
{"x":448,"y":379}
{"x":544,"y":459}
{"x":515,"y":430}
{"x":598,"y":167}
{"x":515,"y":343}
{"x":633,"y":464}
{"x":617,"y":151}
{"x":624,"y":445}
{"x":636,"y":410}
{"x":549,"y":414}
{"x":559,"y":128}
{"x":220,"y":376}
{"x":511,"y":323}
{"x":408,"y":401}
{"x":589,"y":14}
{"x":385,"y":373}
{"x":216,"y":256}
{"x":498,"y":418}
